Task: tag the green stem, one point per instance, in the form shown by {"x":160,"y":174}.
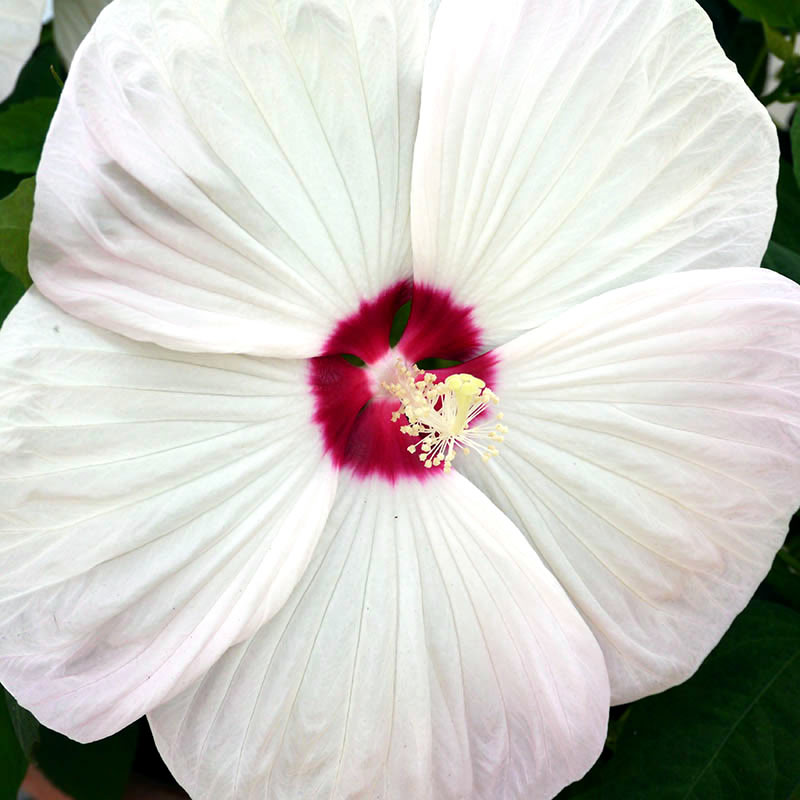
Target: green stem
{"x":778,"y":95}
{"x":757,"y":64}
{"x":57,"y":77}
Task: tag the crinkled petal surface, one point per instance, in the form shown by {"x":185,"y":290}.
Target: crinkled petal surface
{"x":566,"y":148}
{"x":20,"y":23}
{"x":71,"y":22}
{"x":653,"y":459}
{"x":427,"y":654}
{"x":157,"y":508}
{"x":232,"y":177}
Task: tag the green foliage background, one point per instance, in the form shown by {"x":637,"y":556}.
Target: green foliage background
{"x":732,"y":731}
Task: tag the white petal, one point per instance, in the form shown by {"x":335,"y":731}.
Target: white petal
{"x":426,"y":654}
{"x":566,"y":148}
{"x":232,"y":177}
{"x":20,"y":23}
{"x":653,"y":459}
{"x":71,"y":22}
{"x":157,"y":508}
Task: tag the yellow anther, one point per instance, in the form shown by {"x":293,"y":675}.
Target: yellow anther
{"x":465,"y":382}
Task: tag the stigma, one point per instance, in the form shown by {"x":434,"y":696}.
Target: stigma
{"x":441,"y":415}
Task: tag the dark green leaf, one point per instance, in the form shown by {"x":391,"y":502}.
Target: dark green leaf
{"x":10,"y":292}
{"x":23,"y":128}
{"x":16,"y":212}
{"x":748,"y":50}
{"x":399,"y":323}
{"x":787,"y":229}
{"x":12,"y":760}
{"x":8,"y":182}
{"x":26,"y":727}
{"x":778,"y":13}
{"x":94,"y":771}
{"x":616,"y":723}
{"x":796,"y":148}
{"x":777,"y":43}
{"x":729,"y":733}
{"x":429,"y":364}
{"x":783,"y":260}
{"x":782,"y":585}
{"x":47,"y":33}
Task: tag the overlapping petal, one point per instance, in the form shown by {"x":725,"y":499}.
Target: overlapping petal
{"x":157,"y":508}
{"x":232,"y":177}
{"x":71,"y":22}
{"x":20,"y":23}
{"x":425,"y":654}
{"x":653,"y":459}
{"x":566,"y":148}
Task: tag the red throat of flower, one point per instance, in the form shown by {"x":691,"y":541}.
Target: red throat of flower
{"x":355,"y":405}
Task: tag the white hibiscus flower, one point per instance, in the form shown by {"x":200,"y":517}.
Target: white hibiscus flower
{"x":210,"y":516}
{"x":21,"y":21}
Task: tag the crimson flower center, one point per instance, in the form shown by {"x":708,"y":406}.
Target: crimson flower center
{"x":353,"y":405}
